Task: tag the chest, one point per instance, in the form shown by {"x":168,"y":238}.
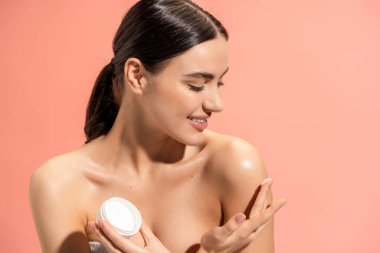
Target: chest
{"x":178,"y":212}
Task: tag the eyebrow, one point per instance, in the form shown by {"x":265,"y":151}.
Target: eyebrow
{"x":204,"y":75}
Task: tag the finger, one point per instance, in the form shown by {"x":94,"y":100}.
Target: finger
{"x":90,"y":227}
{"x":265,"y":215}
{"x":107,"y":244}
{"x":90,"y":231}
{"x":244,"y":242}
{"x":121,"y":242}
{"x":231,"y":225}
{"x":261,"y":197}
{"x":251,"y":228}
{"x":260,"y":229}
{"x":252,"y":225}
{"x":245,"y":234}
{"x":248,"y":239}
{"x":146,"y":233}
{"x":275,"y":205}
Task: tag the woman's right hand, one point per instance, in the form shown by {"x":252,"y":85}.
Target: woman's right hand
{"x":115,"y":243}
{"x":238,"y":232}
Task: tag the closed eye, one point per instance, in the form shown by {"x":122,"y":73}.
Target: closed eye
{"x":196,"y":88}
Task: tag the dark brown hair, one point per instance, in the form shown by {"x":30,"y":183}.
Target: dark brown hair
{"x":154,"y":31}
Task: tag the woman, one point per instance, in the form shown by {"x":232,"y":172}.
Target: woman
{"x":197,"y":190}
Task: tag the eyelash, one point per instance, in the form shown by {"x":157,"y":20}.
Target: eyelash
{"x":198,"y":89}
{"x":195,"y":88}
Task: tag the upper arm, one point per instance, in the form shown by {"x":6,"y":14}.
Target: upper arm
{"x":243,"y":172}
{"x":55,"y":213}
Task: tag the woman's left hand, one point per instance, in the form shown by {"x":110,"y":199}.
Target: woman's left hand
{"x":113,"y":242}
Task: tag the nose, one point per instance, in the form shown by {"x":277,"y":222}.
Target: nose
{"x":213,"y":101}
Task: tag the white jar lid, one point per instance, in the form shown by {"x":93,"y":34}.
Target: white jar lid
{"x":122,"y":215}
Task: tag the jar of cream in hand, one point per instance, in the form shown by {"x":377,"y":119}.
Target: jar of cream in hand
{"x":122,"y":215}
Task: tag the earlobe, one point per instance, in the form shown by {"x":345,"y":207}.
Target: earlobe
{"x":133,"y":70}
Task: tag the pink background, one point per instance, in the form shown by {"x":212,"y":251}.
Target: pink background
{"x":303,"y":87}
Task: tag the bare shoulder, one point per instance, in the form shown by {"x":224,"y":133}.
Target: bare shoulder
{"x":55,"y":203}
{"x":239,"y":169}
{"x":236,"y":160}
{"x":56,"y":174}
{"x":58,"y":178}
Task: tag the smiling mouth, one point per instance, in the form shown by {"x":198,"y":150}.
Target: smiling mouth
{"x":198,"y":120}
{"x":199,"y":124}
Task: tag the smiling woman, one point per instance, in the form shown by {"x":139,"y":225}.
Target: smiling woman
{"x":147,"y":142}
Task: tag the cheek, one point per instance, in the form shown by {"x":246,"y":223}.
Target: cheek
{"x":174,"y":102}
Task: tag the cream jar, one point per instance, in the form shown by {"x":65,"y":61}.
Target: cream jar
{"x":122,"y":215}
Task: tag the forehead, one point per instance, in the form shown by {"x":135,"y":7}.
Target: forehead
{"x":209,"y":56}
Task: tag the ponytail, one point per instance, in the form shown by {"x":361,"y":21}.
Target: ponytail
{"x":102,"y":108}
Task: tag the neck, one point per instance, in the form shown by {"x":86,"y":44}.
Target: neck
{"x":132,"y":143}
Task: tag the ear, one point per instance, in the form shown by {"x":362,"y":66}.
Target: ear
{"x":134,"y":75}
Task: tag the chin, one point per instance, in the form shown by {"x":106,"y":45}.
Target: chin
{"x":193,"y":139}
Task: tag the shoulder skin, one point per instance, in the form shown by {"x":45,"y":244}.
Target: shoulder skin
{"x":54,"y":200}
{"x":240,"y":171}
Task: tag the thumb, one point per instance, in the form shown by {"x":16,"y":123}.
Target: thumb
{"x":91,"y":231}
{"x":147,"y":233}
{"x":232,"y":224}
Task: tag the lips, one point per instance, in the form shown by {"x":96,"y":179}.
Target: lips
{"x":199,"y":122}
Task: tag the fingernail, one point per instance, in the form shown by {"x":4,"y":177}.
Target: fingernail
{"x":268,"y":181}
{"x":240,"y":218}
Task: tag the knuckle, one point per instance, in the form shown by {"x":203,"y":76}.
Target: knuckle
{"x":240,"y":236}
{"x":268,"y":216}
{"x":260,"y":229}
{"x":230,"y":227}
{"x":254,"y":224}
{"x":258,"y":216}
{"x":252,"y":236}
{"x":218,"y":237}
{"x":265,"y":219}
{"x":254,"y":213}
{"x":243,"y":232}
